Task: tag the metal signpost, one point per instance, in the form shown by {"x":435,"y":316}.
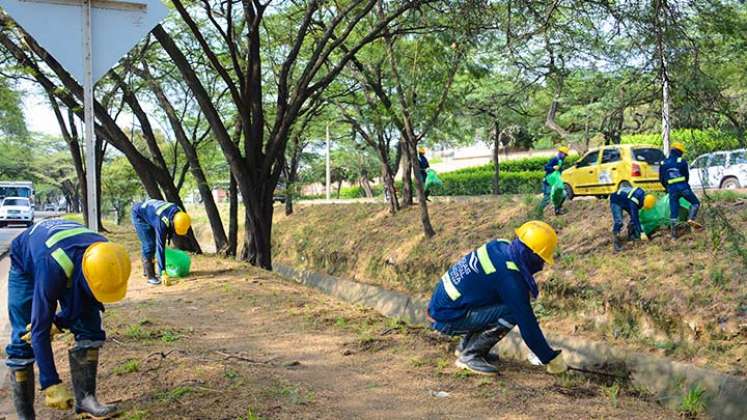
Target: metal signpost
{"x":87,"y":37}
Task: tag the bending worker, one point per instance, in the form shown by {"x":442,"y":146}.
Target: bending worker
{"x":555,"y":164}
{"x":156,"y":222}
{"x":675,"y":176}
{"x":484,"y":295}
{"x":629,"y":200}
{"x":60,"y":261}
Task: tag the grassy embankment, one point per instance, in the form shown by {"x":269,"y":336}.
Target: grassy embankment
{"x":685,"y":300}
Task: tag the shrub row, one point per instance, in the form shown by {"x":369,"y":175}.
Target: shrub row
{"x":520,"y":165}
{"x":481,"y":183}
{"x":696,"y":141}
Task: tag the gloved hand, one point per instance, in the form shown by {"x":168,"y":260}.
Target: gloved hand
{"x":58,"y":397}
{"x":644,"y":237}
{"x":165,"y":279}
{"x":52,"y":332}
{"x":556,"y":167}
{"x":557,"y":365}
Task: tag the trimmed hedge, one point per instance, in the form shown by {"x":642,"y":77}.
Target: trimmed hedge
{"x":481,"y":183}
{"x":520,"y":165}
{"x":696,"y":141}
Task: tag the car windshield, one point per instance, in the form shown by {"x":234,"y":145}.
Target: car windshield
{"x":15,"y":202}
{"x":650,"y":155}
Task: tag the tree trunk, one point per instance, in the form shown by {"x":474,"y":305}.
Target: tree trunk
{"x":288,"y":204}
{"x":407,"y":169}
{"x":233,"y":216}
{"x":190,"y":152}
{"x":496,"y":159}
{"x":390,"y":188}
{"x":366,"y":184}
{"x":420,"y":187}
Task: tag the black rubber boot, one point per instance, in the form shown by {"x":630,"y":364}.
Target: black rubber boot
{"x":674,"y":230}
{"x":489,"y":357}
{"x":150,"y":272}
{"x":616,"y":242}
{"x":22,"y":386}
{"x":477,"y":347}
{"x":83,"y":366}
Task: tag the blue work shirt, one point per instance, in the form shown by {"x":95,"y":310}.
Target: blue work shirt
{"x":555,"y":161}
{"x":160,"y":216}
{"x":484,"y":277}
{"x":674,"y":170}
{"x":423,"y":163}
{"x":630,"y":199}
{"x":51,"y":252}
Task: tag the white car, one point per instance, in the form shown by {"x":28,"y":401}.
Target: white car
{"x":720,"y":170}
{"x":16,"y":210}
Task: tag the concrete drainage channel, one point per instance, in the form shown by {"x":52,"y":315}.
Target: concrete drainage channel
{"x":725,"y":395}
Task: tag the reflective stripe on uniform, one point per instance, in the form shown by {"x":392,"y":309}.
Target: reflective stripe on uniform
{"x":505,"y":323}
{"x":482,"y":255}
{"x":162,"y":208}
{"x":64,"y":261}
{"x":165,"y":221}
{"x":630,"y":195}
{"x":451,"y":290}
{"x":676,"y":180}
{"x":679,"y":160}
{"x":512,"y":266}
{"x":57,"y":237}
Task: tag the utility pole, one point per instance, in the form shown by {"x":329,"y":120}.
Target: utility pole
{"x":329,"y":169}
{"x":92,"y":210}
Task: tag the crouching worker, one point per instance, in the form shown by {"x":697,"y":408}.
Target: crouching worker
{"x":484,"y":295}
{"x":60,"y":261}
{"x":156,"y":222}
{"x":629,"y":200}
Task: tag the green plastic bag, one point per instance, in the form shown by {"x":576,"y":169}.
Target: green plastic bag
{"x":178,"y":262}
{"x":432,"y":180}
{"x":557,"y":188}
{"x":658,"y":216}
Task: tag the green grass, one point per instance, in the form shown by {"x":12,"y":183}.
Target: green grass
{"x":693,"y":402}
{"x":169,"y":336}
{"x":135,"y":414}
{"x":130,"y":366}
{"x":137,"y":332}
{"x":612,"y":393}
{"x":174,"y":394}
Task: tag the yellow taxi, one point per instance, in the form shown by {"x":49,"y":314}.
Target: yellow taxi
{"x":603,"y":170}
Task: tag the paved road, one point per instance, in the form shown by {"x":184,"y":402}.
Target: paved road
{"x":6,"y":236}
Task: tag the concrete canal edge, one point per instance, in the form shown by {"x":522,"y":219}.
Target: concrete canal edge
{"x":725,"y":395}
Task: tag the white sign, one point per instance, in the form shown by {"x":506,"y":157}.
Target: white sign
{"x":57,"y":25}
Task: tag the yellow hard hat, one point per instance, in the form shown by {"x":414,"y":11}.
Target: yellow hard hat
{"x":649,"y":201}
{"x":540,"y":238}
{"x":678,"y":146}
{"x":564,"y":150}
{"x":182,"y":222}
{"x":421,"y":149}
{"x":106,"y":267}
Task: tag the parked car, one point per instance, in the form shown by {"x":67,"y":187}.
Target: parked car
{"x":50,"y":207}
{"x":603,"y":170}
{"x":16,"y":210}
{"x":720,"y":170}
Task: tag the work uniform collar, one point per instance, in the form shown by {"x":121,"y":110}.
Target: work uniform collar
{"x":528,"y":263}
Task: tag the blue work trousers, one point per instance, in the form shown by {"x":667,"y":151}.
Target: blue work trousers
{"x":477,"y":320}
{"x":87,"y":329}
{"x":683,"y":190}
{"x":147,"y":236}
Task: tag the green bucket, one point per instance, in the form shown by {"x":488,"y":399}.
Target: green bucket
{"x":178,"y":262}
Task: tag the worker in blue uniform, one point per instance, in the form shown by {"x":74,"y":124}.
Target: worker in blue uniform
{"x":423,"y":166}
{"x":674,"y":175}
{"x":60,"y":262}
{"x":489,"y":291}
{"x":629,"y":200}
{"x":554,"y":164}
{"x":156,"y":222}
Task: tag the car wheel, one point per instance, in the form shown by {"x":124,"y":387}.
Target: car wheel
{"x":568,"y":192}
{"x":2,"y":225}
{"x":730,"y":183}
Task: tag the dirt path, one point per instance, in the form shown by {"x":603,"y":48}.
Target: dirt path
{"x":242,"y":343}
